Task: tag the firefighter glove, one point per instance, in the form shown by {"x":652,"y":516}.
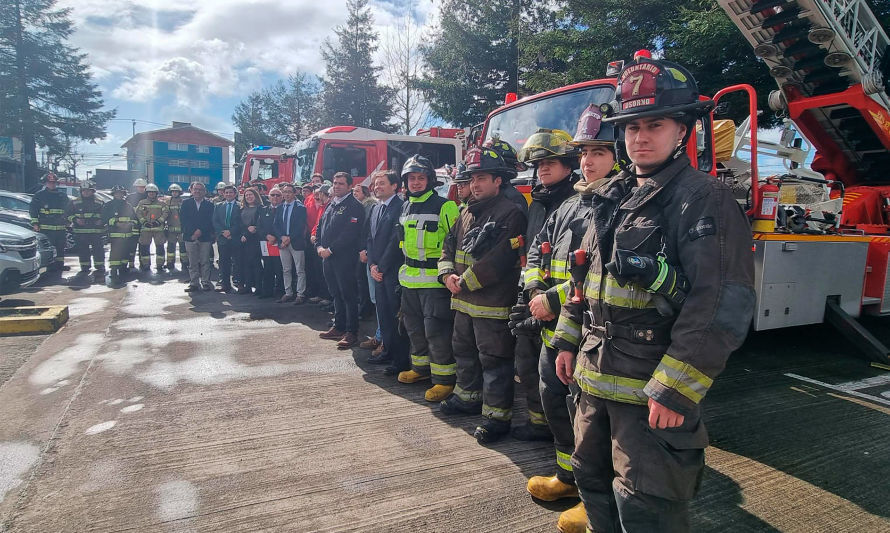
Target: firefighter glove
{"x":654,"y":274}
{"x":480,"y":240}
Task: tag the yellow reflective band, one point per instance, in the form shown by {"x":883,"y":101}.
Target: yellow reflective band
{"x":617,"y":388}
{"x":496,"y":413}
{"x":88,"y":230}
{"x":564,"y":460}
{"x":444,"y":267}
{"x":537,"y":418}
{"x":568,"y":330}
{"x":469,"y":277}
{"x":420,"y":360}
{"x":547,"y":336}
{"x":118,"y":235}
{"x":34,"y":220}
{"x":46,"y":211}
{"x":463,"y":258}
{"x":419,"y":278}
{"x":533,"y":275}
{"x":466,"y":395}
{"x":631,"y":296}
{"x":443,"y":370}
{"x":682,"y":377}
{"x":559,"y":268}
{"x":480,"y":311}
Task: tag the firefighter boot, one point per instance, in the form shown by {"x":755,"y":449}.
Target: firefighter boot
{"x":453,"y":405}
{"x":573,"y":520}
{"x":491,"y":431}
{"x":410,"y":376}
{"x":550,"y":489}
{"x":437,"y":393}
{"x":529,"y":431}
{"x":99,"y":276}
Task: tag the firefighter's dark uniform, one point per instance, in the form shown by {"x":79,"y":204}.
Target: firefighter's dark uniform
{"x":85,"y":217}
{"x":47,"y":211}
{"x":133,"y":199}
{"x":483,"y":345}
{"x":174,"y":234}
{"x":545,"y":201}
{"x":120,"y":217}
{"x":152,"y":215}
{"x":629,"y":352}
{"x":426,"y":303}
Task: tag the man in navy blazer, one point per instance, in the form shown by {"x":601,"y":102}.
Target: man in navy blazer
{"x":290,"y":230}
{"x":338,"y":241}
{"x":196,"y":217}
{"x":384,"y":259}
{"x":227,"y":224}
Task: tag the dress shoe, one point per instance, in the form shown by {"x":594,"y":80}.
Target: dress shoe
{"x":369,"y":344}
{"x":391,"y":370}
{"x":348,"y":341}
{"x":286,"y":298}
{"x":380,"y":359}
{"x":378,"y":350}
{"x":332,"y":334}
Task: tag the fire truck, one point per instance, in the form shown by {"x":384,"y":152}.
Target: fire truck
{"x":821,"y":218}
{"x":359,"y":151}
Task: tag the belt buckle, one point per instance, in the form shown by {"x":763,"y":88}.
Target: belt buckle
{"x":603,"y":330}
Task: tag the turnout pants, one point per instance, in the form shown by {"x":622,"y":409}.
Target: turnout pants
{"x":120,"y":251}
{"x":340,"y":276}
{"x":89,"y":246}
{"x":483,"y":350}
{"x":429,"y":322}
{"x":528,"y":351}
{"x":557,"y":400}
{"x":57,"y":238}
{"x":174,"y":240}
{"x":386,"y":293}
{"x":633,"y":478}
{"x":146,"y":237}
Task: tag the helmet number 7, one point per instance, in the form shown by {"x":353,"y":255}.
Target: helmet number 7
{"x":636,"y":80}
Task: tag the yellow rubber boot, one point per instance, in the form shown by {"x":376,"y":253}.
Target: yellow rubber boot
{"x":410,"y":376}
{"x":437,"y":393}
{"x":550,"y":488}
{"x":573,"y":520}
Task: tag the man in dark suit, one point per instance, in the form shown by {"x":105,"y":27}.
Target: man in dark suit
{"x":384,"y":258}
{"x":338,"y":241}
{"x":196,"y":217}
{"x":290,"y":230}
{"x":227,"y":224}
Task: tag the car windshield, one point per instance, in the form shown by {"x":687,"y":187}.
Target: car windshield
{"x":306,"y":151}
{"x":560,"y":111}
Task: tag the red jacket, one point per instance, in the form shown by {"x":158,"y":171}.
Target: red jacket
{"x":313,"y":222}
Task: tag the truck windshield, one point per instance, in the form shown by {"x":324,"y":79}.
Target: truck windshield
{"x":560,"y":111}
{"x":306,"y":152}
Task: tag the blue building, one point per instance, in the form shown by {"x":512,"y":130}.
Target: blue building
{"x":179,"y":154}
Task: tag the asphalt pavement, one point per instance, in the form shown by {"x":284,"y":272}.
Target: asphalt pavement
{"x":158,"y":410}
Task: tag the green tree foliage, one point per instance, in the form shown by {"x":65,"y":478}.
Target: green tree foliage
{"x":279,"y":115}
{"x":47,"y":96}
{"x":352,"y":94}
{"x":473,"y":57}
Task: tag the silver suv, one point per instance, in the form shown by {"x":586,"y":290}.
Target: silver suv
{"x":19,"y":260}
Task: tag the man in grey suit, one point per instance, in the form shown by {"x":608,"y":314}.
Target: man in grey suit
{"x":227,"y":224}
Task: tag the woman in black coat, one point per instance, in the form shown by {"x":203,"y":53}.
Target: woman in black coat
{"x":251,"y":267}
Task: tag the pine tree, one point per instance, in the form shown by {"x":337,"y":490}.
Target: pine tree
{"x":47,"y":96}
{"x":352,"y":94}
{"x":251,"y":122}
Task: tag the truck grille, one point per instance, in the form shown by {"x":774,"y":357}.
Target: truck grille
{"x":27,"y":248}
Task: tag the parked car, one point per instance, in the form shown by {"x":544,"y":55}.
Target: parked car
{"x":19,"y":260}
{"x":15,"y":200}
{"x":44,"y":246}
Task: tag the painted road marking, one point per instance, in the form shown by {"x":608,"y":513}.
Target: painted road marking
{"x":840,"y":388}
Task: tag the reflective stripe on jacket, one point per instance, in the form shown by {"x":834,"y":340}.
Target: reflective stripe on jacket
{"x":424,"y":223}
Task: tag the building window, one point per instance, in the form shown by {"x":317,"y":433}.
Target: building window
{"x":203,"y":149}
{"x":178,"y":147}
{"x":178,"y":163}
{"x":201,"y":164}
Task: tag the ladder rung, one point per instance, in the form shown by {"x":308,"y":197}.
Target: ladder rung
{"x":778,"y":19}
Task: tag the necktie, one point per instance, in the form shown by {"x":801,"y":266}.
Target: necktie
{"x":287,"y":219}
{"x":380,"y":212}
{"x":229,"y":214}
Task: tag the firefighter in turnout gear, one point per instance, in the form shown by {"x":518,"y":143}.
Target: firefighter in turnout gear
{"x":480,"y":265}
{"x":85,"y":217}
{"x":426,"y":304}
{"x":643,"y":367}
{"x":564,"y":230}
{"x":133,"y":199}
{"x":120,"y":217}
{"x":174,"y":230}
{"x":554,"y":161}
{"x":47,"y":210}
{"x":152,"y":214}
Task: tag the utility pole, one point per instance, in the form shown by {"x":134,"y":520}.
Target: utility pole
{"x":134,"y":127}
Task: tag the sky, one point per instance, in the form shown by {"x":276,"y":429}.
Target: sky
{"x":195,"y":60}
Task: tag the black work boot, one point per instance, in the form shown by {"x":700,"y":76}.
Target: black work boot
{"x":453,"y":405}
{"x":529,"y":431}
{"x":491,"y":431}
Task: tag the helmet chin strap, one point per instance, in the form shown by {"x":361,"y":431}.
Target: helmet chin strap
{"x":679,"y":150}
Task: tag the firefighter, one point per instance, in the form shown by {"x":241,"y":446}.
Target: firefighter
{"x":47,"y":210}
{"x":426,"y":303}
{"x":555,"y":162}
{"x":665,"y":295}
{"x":120,"y":218}
{"x":152,"y":214}
{"x":133,"y":199}
{"x":174,"y":230}
{"x":480,"y":265}
{"x":509,"y":157}
{"x":564,"y":231}
{"x":88,"y":226}
{"x":218,"y":196}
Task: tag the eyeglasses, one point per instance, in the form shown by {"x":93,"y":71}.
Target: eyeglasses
{"x":275,"y":194}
